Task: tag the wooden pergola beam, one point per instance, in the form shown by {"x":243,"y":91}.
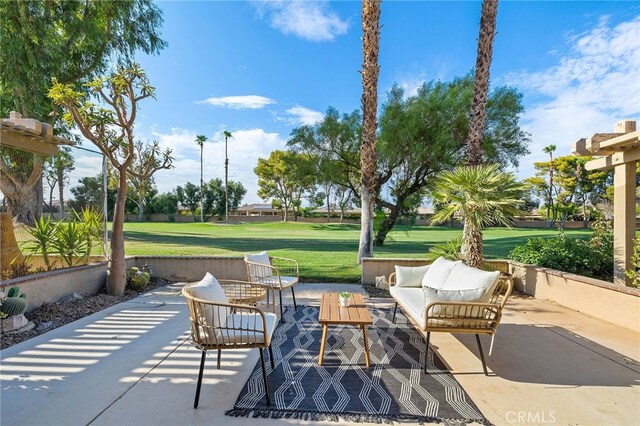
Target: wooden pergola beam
{"x":27,"y":143}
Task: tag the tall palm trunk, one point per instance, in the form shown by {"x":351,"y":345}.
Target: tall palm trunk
{"x":226,"y":179}
{"x":201,"y":185}
{"x":481,"y":88}
{"x":60,"y":173}
{"x":370,"y":72}
{"x":550,"y":218}
{"x":472,"y":246}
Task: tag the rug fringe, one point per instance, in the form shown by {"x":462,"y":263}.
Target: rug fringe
{"x":316,"y":416}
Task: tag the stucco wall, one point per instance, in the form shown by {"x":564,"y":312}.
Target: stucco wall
{"x":52,"y":286}
{"x":193,"y":268}
{"x":600,"y":299}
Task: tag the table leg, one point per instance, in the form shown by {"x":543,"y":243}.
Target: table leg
{"x":322,"y":343}
{"x":366,"y":345}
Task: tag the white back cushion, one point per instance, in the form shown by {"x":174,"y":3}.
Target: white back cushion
{"x":438,"y":273}
{"x":410,"y":276}
{"x":464,"y":277}
{"x":261,"y":258}
{"x":209,"y":289}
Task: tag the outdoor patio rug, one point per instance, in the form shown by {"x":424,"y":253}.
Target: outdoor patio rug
{"x":343,"y":389}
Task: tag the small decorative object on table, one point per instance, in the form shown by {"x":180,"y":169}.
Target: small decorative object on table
{"x":345,"y":298}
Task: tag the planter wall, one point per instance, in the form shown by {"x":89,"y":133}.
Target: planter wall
{"x":49,"y":287}
{"x":193,"y":268}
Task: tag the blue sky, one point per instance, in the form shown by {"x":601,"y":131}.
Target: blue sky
{"x":259,"y":69}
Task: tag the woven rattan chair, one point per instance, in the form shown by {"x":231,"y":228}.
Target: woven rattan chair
{"x":247,"y":321}
{"x":278,"y":272}
{"x":465,"y":317}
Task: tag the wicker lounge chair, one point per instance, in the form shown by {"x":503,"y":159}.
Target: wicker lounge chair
{"x":278,"y":272}
{"x":219,"y":325}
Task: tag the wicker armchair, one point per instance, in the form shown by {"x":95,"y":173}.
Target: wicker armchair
{"x":247,"y":321}
{"x":278,"y":272}
{"x":465,"y":317}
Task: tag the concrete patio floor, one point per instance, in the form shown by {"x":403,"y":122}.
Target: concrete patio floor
{"x":130,"y":365}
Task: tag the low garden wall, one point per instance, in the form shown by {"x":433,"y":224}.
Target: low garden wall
{"x":193,"y":268}
{"x":49,"y":287}
{"x":599,"y":299}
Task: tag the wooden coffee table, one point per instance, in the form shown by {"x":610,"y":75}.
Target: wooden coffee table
{"x":331,"y":313}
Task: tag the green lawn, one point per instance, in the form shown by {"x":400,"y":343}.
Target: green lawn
{"x":326,"y":252}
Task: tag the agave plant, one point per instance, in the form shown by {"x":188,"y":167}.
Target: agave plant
{"x":481,"y":196}
{"x":43,"y":235}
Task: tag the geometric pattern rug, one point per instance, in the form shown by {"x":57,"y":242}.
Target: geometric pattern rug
{"x":394,"y":388}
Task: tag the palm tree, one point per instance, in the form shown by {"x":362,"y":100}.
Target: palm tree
{"x":481,"y":87}
{"x":481,"y":195}
{"x":200,"y":140}
{"x":370,"y":72}
{"x":227,"y":135}
{"x":550,"y":150}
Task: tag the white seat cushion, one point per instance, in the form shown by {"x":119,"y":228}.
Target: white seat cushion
{"x":273,"y":281}
{"x":410,"y":276}
{"x":247,"y":323}
{"x":438,"y":273}
{"x":209,"y":289}
{"x":464,"y":277}
{"x":412,"y":301}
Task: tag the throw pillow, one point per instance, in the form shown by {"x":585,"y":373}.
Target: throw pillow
{"x":209,"y":289}
{"x":438,"y":273}
{"x":433,"y":295}
{"x":261,"y":258}
{"x":409,"y":276}
{"x":464,"y":277}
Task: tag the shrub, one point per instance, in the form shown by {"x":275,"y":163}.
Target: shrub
{"x":634,"y":272}
{"x":449,"y":250}
{"x":591,"y":258}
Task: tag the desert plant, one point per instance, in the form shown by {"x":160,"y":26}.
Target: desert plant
{"x":448,"y":249}
{"x":43,"y":234}
{"x":92,"y":225}
{"x":138,"y":279}
{"x":482,"y":196}
{"x":15,"y":303}
{"x":71,"y":243}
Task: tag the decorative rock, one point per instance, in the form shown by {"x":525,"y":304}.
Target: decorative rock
{"x":14,"y":323}
{"x":77,"y":295}
{"x":381,"y":282}
{"x":44,"y":326}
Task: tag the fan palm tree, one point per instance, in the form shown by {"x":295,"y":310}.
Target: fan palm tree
{"x":370,"y":72}
{"x":227,"y":135}
{"x":481,"y":88}
{"x":550,"y":150}
{"x":200,"y":140}
{"x":481,"y":195}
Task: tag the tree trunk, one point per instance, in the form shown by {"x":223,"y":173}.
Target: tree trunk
{"x":472,"y":245}
{"x":368,"y":160}
{"x":116,"y":271}
{"x":201,"y":185}
{"x":328,"y":205}
{"x":387,"y":224}
{"x":366,"y":226}
{"x":140,"y":211}
{"x":60,"y":173}
{"x":481,"y":87}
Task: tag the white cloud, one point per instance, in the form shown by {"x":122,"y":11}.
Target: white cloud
{"x":302,"y":115}
{"x":308,"y":20}
{"x":239,"y":102}
{"x":244,"y":149}
{"x":593,"y":86}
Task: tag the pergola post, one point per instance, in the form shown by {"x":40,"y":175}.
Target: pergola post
{"x":621,"y":151}
{"x":624,"y":219}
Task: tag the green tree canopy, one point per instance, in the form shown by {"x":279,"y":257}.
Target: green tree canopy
{"x":285,"y":177}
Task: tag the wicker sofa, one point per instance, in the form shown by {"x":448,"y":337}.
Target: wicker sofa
{"x":455,"y":309}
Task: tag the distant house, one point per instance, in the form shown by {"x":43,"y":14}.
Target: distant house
{"x":256,"y":210}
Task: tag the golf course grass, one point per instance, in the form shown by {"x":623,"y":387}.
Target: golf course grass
{"x":326,"y":252}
